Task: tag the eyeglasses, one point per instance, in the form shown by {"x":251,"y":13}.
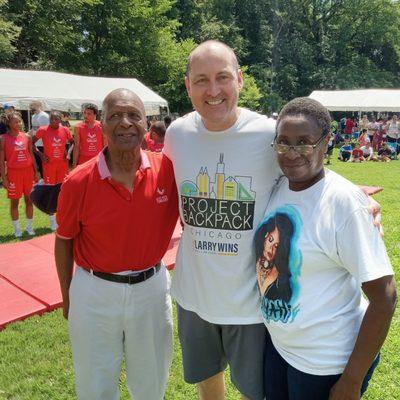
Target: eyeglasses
{"x":302,"y":149}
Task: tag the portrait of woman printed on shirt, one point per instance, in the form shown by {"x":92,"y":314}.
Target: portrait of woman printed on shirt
{"x":272,"y":242}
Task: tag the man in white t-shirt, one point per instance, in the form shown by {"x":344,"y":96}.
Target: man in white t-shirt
{"x":224,"y":169}
{"x":39,"y":118}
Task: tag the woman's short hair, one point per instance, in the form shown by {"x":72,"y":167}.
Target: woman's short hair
{"x":309,"y":108}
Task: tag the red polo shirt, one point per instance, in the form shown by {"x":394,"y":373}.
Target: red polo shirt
{"x":115,"y":230}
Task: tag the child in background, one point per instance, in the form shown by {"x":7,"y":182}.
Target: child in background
{"x":368,"y":152}
{"x":385,"y":153}
{"x":16,"y":155}
{"x":378,"y":135}
{"x":363,"y":138}
{"x":55,"y":138}
{"x":345,"y":151}
{"x":357,"y":154}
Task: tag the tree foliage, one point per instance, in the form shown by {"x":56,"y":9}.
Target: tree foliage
{"x":250,"y":95}
{"x":9,"y":33}
{"x":291,"y":47}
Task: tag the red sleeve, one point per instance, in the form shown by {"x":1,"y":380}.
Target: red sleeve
{"x":68,"y":133}
{"x":39,"y":133}
{"x":69,"y":207}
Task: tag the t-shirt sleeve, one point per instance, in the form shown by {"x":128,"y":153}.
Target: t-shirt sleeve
{"x":68,"y":210}
{"x":167,"y":144}
{"x":361,"y":248}
{"x":43,"y":120}
{"x":39,"y":133}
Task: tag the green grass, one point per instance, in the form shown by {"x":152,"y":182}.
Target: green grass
{"x":35,"y":356}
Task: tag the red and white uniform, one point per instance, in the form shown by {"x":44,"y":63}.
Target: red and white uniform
{"x":91,"y":140}
{"x":54,"y":142}
{"x":20,"y":172}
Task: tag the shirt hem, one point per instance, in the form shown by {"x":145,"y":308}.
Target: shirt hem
{"x":63,"y":237}
{"x":311,"y":371}
{"x":219,"y":320}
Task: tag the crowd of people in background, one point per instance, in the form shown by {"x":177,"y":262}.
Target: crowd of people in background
{"x":367,"y":139}
{"x":48,"y":150}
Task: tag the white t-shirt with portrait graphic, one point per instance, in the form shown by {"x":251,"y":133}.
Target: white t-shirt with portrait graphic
{"x":334,"y":248}
{"x":224,"y":181}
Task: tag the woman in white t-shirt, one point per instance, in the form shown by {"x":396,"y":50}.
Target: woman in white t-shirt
{"x":325,"y":337}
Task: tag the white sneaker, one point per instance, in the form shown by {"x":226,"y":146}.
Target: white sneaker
{"x":30,"y":231}
{"x":18,"y":233}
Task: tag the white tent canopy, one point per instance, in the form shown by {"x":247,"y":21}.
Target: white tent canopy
{"x":67,"y":92}
{"x":382,"y":100}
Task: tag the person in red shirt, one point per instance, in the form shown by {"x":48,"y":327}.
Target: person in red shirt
{"x":116,"y":214}
{"x":357,"y":155}
{"x":154,"y":139}
{"x":349,"y":126}
{"x":55,"y":137}
{"x":88,"y":136}
{"x":18,"y":170}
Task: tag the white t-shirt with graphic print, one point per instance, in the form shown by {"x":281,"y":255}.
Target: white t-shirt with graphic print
{"x":334,"y":249}
{"x":224,"y":181}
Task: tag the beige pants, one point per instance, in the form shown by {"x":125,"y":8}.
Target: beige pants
{"x":110,"y":320}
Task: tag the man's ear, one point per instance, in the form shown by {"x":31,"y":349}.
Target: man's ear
{"x":240,"y":79}
{"x":187,"y":84}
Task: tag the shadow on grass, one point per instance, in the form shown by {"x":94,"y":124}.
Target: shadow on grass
{"x":10,"y":238}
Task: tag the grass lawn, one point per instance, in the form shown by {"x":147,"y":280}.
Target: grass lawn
{"x":35,"y":357}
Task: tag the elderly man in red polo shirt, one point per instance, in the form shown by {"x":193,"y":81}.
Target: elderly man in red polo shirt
{"x":116,"y":214}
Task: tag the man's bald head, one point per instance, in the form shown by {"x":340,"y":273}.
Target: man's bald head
{"x":211,"y":47}
{"x":124,"y":95}
{"x":123,"y":122}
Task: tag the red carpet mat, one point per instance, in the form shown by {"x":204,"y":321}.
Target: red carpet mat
{"x":28,"y":277}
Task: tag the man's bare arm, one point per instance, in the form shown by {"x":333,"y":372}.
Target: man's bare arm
{"x":75,"y":153}
{"x":64,"y":261}
{"x":3,"y":163}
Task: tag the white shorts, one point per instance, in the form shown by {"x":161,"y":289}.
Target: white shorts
{"x":108,"y":320}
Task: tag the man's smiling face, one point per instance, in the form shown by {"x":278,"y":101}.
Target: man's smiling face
{"x":213,"y":84}
{"x":123,"y":121}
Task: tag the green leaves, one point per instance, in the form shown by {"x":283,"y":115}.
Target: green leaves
{"x":291,"y":47}
{"x":9,"y":32}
